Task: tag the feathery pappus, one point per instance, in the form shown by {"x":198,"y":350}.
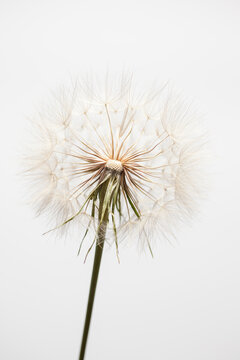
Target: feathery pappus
{"x":142,"y":151}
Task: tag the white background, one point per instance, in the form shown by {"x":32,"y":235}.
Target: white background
{"x":183,"y":304}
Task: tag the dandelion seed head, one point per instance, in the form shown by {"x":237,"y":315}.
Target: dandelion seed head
{"x":148,"y":146}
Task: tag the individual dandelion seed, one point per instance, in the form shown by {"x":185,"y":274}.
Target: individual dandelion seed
{"x":129,"y":163}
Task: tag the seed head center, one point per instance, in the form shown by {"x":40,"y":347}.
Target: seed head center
{"x":114,"y":165}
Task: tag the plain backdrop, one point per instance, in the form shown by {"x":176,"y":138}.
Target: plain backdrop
{"x":184,"y":303}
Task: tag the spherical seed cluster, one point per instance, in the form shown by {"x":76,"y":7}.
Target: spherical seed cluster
{"x":150,"y":142}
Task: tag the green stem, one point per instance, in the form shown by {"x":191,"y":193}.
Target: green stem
{"x":96,"y":266}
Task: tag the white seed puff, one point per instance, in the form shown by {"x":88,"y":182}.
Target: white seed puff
{"x":148,"y":147}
